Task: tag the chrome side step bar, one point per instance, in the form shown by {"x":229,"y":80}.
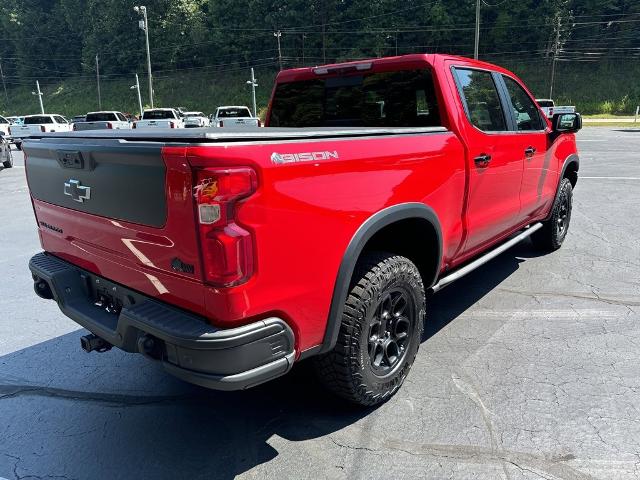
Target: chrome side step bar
{"x":452,"y":277}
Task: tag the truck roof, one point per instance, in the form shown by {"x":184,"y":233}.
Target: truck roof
{"x":101,"y":111}
{"x":415,"y":60}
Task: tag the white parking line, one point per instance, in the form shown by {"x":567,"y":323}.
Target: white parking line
{"x":610,"y":178}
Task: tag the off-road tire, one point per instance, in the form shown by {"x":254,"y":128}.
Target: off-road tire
{"x":554,"y":230}
{"x":350,"y":370}
{"x":8,"y":163}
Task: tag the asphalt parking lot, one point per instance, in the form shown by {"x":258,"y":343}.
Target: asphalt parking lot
{"x":530,"y":368}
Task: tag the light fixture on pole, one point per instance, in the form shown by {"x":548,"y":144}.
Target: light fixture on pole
{"x":144,"y":25}
{"x":254,"y":83}
{"x":278,"y":34}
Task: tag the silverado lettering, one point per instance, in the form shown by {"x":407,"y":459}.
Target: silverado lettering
{"x":227,"y":268}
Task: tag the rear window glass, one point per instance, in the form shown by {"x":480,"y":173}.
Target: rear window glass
{"x":101,"y":117}
{"x":157,"y":114}
{"x":387,"y":99}
{"x":194,"y":115}
{"x":37,"y":120}
{"x":545,"y":103}
{"x":234,"y":112}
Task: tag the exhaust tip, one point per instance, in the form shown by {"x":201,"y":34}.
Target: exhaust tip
{"x":92,"y":342}
{"x":42,"y":289}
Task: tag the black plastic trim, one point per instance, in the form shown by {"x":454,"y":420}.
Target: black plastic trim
{"x":375,"y":223}
{"x":571,"y":159}
{"x":188,"y":346}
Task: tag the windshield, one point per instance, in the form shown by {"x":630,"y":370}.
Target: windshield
{"x":101,"y":117}
{"x":233,"y":112}
{"x":387,"y":99}
{"x":158,"y":115}
{"x":37,"y":120}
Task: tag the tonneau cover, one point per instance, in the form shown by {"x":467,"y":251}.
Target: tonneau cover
{"x":221,"y":135}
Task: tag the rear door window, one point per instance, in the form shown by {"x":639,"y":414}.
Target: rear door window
{"x":385,"y":99}
{"x":480,"y":95}
{"x":101,"y":117}
{"x":525,"y":111}
{"x":37,"y":120}
{"x":158,"y":115}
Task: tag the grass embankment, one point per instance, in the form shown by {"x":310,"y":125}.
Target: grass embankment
{"x":605,"y":90}
{"x":203,"y":92}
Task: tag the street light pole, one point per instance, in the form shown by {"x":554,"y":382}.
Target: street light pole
{"x":278,"y":34}
{"x":253,"y":84}
{"x":144,"y":25}
{"x":477,"y":42}
{"x":39,"y":94}
{"x":553,"y":62}
{"x":98,"y":80}
{"x":4,"y":85}
{"x":137,"y":87}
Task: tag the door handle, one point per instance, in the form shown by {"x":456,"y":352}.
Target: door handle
{"x":529,"y":151}
{"x":482,"y":160}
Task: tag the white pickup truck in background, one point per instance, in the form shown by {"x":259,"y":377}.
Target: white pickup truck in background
{"x":229,"y":116}
{"x":550,"y":109}
{"x":103,"y":120}
{"x":4,"y":126}
{"x":195,"y":120}
{"x":160,"y":118}
{"x":36,"y":124}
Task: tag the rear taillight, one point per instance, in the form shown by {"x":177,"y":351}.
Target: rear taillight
{"x":133,"y":125}
{"x":259,"y":123}
{"x":220,"y":124}
{"x":74,"y":127}
{"x":227,"y":248}
{"x":10,"y":131}
{"x":43,"y":128}
{"x":172,"y":125}
{"x":109,"y":125}
{"x":551,"y":111}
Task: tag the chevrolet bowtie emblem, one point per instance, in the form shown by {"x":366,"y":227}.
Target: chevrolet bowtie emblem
{"x":75,"y":190}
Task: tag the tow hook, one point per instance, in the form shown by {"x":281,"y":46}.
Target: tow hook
{"x":93,"y":342}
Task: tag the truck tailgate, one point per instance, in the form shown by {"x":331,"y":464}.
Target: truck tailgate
{"x":121,"y":210}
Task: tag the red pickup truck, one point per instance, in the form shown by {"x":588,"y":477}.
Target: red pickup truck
{"x":228,"y":255}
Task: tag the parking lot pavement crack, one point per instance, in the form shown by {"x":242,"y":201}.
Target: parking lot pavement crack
{"x":8,"y":391}
{"x":595,"y":297}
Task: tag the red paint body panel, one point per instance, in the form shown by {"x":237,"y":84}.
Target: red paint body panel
{"x":303,"y":215}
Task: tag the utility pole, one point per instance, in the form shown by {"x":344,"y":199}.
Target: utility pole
{"x":137,"y":87}
{"x":39,"y":94}
{"x":555,"y":58}
{"x":253,"y":84}
{"x":476,"y":47}
{"x":304,"y":35}
{"x":4,"y":85}
{"x":324,"y":41}
{"x":396,"y":43}
{"x":144,"y":25}
{"x":278,"y":34}
{"x":98,"y":80}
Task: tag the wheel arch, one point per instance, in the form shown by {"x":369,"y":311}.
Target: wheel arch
{"x":410,"y":216}
{"x":570,"y":169}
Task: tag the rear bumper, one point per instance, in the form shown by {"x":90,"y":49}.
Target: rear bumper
{"x":188,"y":346}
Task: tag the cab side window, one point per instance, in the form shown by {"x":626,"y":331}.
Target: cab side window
{"x":480,"y":94}
{"x":525,"y":110}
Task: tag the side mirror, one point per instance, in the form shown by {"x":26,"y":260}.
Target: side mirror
{"x":567,"y":122}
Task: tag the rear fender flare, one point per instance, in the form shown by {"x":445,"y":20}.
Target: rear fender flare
{"x":359,"y":240}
